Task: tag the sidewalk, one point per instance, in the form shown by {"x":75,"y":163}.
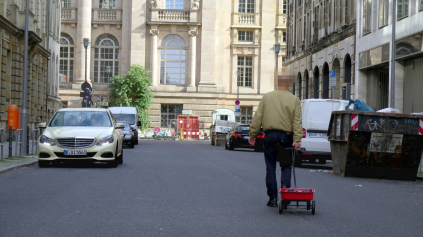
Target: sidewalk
{"x":17,"y":160}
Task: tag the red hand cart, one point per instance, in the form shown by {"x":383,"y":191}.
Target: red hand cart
{"x":296,"y":197}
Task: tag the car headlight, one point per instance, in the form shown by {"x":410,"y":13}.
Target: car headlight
{"x":128,"y":136}
{"x":47,"y":141}
{"x":105,"y":140}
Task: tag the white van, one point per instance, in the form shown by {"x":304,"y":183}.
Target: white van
{"x":316,"y":117}
{"x":129,"y":114}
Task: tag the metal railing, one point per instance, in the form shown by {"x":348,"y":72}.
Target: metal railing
{"x":14,"y":142}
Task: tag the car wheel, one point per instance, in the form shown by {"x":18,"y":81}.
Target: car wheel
{"x":43,"y":163}
{"x":136,"y":138}
{"x":131,"y":145}
{"x":114,"y":163}
{"x":120,"y":157}
{"x":231,"y":146}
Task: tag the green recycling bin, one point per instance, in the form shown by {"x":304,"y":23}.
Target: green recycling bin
{"x":376,"y":145}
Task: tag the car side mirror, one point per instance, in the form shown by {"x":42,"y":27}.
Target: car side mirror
{"x":42,"y":125}
{"x":139,"y":123}
{"x":119,"y":125}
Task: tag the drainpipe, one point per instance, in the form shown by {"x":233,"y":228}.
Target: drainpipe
{"x":48,"y":46}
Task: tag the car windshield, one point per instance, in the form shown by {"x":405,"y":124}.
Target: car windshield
{"x":125,"y":117}
{"x":81,"y":118}
{"x":243,"y":128}
{"x":126,"y":128}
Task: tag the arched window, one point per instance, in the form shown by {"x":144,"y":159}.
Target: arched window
{"x":172,"y":65}
{"x":66,"y":58}
{"x":106,"y":56}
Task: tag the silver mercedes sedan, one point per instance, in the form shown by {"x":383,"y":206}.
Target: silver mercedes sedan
{"x":81,"y":134}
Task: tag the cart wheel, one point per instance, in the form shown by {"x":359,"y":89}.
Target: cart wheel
{"x":285,"y":204}
{"x":313,"y":207}
{"x":308,"y":205}
{"x":281,"y":207}
{"x":298,"y":204}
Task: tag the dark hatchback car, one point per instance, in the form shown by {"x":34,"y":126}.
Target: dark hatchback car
{"x":238,"y":136}
{"x":128,"y":134}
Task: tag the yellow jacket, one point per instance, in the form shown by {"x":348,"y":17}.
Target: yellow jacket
{"x":278,"y":110}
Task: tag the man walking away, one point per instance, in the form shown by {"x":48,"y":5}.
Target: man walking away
{"x":279,"y":113}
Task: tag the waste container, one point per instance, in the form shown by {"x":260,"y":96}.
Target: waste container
{"x":376,"y":145}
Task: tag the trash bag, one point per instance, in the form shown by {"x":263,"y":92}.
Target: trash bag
{"x":389,"y":110}
{"x":359,"y":105}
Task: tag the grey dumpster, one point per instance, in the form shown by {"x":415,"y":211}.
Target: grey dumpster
{"x":376,"y":145}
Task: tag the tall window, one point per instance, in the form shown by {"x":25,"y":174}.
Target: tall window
{"x":169,"y":114}
{"x":284,"y":37}
{"x":246,"y":6}
{"x":284,"y":7}
{"x":245,"y":36}
{"x":245,"y":67}
{"x":246,"y":115}
{"x":367,"y":16}
{"x":107,"y":4}
{"x":174,"y":4}
{"x":421,"y":5}
{"x":66,"y":3}
{"x":383,"y":12}
{"x":66,"y":58}
{"x":106,"y":55}
{"x":172,"y":65}
{"x":402,"y":9}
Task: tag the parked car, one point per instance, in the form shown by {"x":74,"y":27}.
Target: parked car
{"x":316,"y":115}
{"x":128,"y":134}
{"x":129,"y":114}
{"x":238,"y":136}
{"x":81,"y":134}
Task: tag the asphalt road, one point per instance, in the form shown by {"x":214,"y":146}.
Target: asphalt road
{"x":183,"y":188}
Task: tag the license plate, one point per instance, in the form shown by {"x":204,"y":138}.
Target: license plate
{"x":246,"y":137}
{"x":74,"y":152}
{"x":317,"y":135}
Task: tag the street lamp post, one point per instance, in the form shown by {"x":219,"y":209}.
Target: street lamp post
{"x":108,"y":71}
{"x":393,"y":53}
{"x":86,"y":43}
{"x":238,"y":73}
{"x":277,"y":49}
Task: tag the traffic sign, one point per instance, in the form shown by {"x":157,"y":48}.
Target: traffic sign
{"x":237,"y":102}
{"x":156,"y":129}
{"x":85,"y":85}
{"x":332,"y":79}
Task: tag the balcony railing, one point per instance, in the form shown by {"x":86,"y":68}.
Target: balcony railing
{"x":174,"y":15}
{"x":245,"y":18}
{"x":107,"y":15}
{"x":69,"y":14}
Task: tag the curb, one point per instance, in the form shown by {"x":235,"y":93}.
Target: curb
{"x":29,"y":163}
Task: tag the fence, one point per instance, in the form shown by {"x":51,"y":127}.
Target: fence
{"x":13,"y":140}
{"x":182,"y":128}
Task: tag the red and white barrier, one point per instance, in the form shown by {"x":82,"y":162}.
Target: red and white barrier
{"x":421,"y":127}
{"x":354,"y":122}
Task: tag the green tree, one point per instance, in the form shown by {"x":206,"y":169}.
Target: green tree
{"x":133,"y":90}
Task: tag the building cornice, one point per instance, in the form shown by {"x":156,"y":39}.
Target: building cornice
{"x":173,"y":23}
{"x":8,"y":26}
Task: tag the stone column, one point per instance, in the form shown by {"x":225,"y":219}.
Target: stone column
{"x":83,"y":31}
{"x":193,"y":56}
{"x":154,"y":33}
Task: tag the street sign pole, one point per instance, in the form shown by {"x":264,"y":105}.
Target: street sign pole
{"x":332,"y":82}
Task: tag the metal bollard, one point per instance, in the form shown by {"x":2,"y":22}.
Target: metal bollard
{"x":10,"y":142}
{"x":27,"y":141}
{"x":1,"y":142}
{"x":19,"y":138}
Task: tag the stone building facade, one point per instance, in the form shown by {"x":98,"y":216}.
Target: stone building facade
{"x":193,"y":48}
{"x":43,"y":56}
{"x":374,"y":37}
{"x":321,"y":48}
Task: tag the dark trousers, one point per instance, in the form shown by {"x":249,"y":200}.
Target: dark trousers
{"x":271,"y":139}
